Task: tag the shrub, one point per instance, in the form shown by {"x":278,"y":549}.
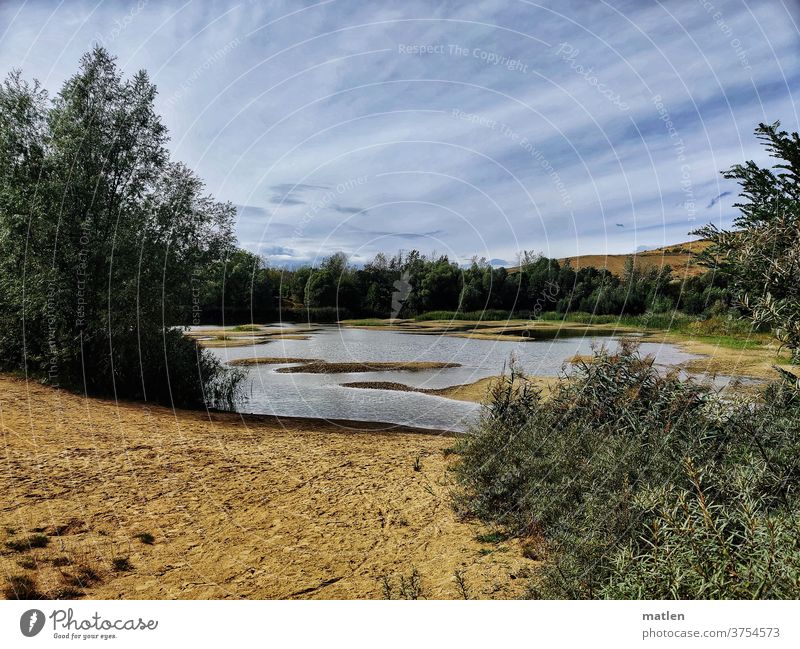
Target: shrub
{"x":314,"y":314}
{"x":21,"y":587}
{"x":700,"y":545}
{"x":487,"y":314}
{"x":146,"y":538}
{"x":28,"y":543}
{"x":623,"y":473}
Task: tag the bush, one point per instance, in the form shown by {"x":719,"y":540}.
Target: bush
{"x":314,"y":314}
{"x":614,"y":473}
{"x":28,"y":543}
{"x":488,"y":314}
{"x":166,"y":367}
{"x":94,"y":270}
{"x":21,"y":587}
{"x":698,"y":545}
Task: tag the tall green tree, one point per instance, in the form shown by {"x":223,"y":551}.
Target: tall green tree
{"x":100,"y":236}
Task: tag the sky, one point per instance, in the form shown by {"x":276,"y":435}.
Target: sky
{"x":467,"y":129}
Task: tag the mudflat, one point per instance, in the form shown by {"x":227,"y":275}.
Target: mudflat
{"x":127,"y":500}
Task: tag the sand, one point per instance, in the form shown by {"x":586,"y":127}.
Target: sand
{"x":237,"y":507}
{"x":247,"y":336}
{"x":319,"y":366}
{"x":475,"y":392}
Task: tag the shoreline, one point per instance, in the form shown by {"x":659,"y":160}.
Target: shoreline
{"x":334,"y":425}
{"x":745,"y":362}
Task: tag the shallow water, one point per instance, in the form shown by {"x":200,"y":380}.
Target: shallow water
{"x":321,"y":395}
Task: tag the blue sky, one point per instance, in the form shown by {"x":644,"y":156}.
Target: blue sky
{"x":479,"y":128}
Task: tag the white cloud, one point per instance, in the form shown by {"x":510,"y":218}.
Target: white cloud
{"x":260,"y":98}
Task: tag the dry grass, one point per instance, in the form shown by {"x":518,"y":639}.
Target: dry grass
{"x":580,"y":358}
{"x":718,"y":360}
{"x":680,"y":257}
{"x":251,"y":507}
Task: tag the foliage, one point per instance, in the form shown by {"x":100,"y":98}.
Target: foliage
{"x":488,"y":314}
{"x":101,"y":235}
{"x":762,"y":255}
{"x":639,"y":484}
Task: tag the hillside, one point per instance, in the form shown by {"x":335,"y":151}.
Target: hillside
{"x":679,"y":256}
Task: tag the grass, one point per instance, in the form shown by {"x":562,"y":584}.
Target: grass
{"x":247,"y":327}
{"x":488,"y":314}
{"x":731,"y":342}
{"x":146,"y":538}
{"x":408,"y":588}
{"x":29,"y":543}
{"x":667,"y":321}
{"x":534,"y":549}
{"x":21,"y":587}
{"x":491,"y":537}
{"x":85,"y":575}
{"x":121,"y":564}
{"x":461,"y":584}
{"x":721,"y":331}
{"x":729,"y":332}
{"x":68,"y":592}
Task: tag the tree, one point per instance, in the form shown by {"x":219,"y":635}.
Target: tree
{"x":441,"y":285}
{"x":100,"y":237}
{"x":236,"y":285}
{"x":761,"y":256}
{"x":376,"y":280}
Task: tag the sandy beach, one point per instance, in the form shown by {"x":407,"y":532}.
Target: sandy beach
{"x":127,"y":500}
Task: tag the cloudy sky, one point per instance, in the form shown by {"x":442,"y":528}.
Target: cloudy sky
{"x":479,"y":128}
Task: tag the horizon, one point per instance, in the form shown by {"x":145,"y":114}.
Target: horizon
{"x":466,"y":262}
{"x":473,"y":131}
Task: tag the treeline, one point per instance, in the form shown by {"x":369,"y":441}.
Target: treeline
{"x":411,"y":284}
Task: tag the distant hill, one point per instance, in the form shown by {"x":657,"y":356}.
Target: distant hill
{"x":680,"y":257}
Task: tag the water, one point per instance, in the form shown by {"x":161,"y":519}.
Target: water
{"x":321,"y":395}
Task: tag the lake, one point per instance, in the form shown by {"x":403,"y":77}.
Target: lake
{"x":322,"y":395}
